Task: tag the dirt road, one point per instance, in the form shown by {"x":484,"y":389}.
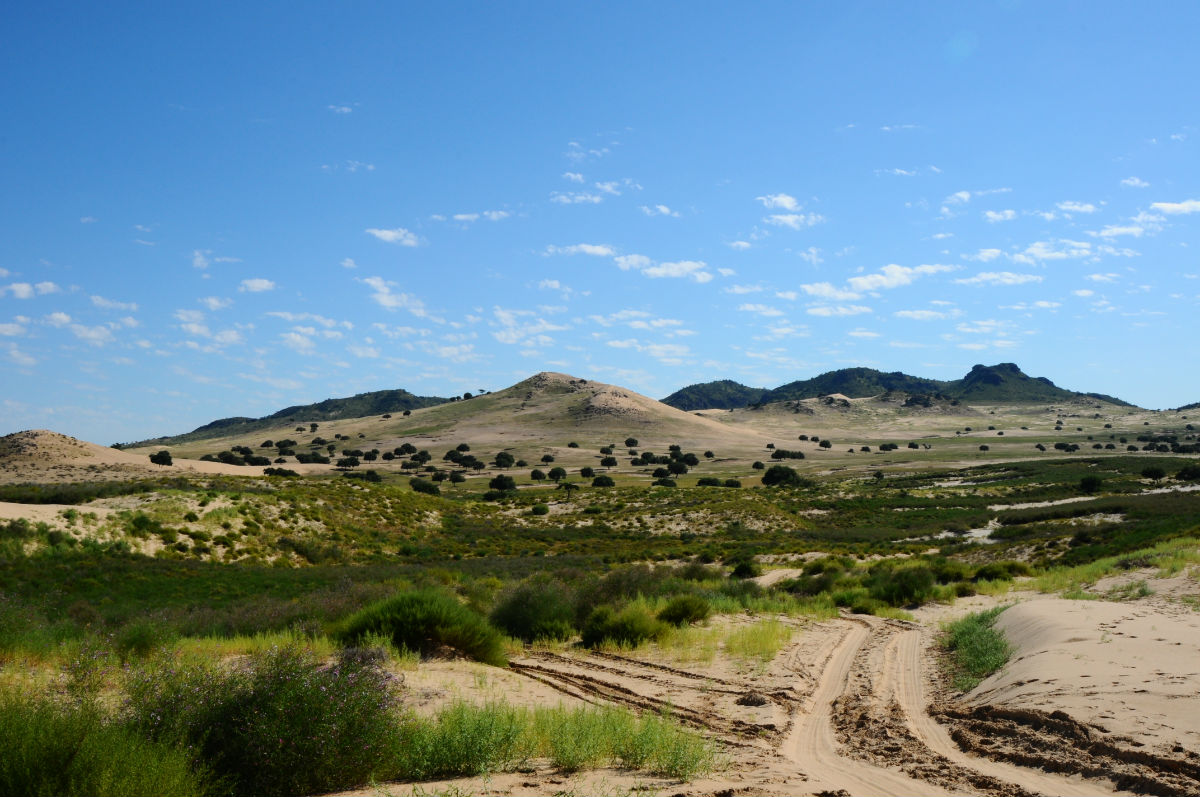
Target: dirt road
{"x":853,"y":706}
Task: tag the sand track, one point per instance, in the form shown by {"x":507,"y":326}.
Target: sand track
{"x":854,"y":706}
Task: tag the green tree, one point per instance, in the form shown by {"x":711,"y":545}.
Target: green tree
{"x":781,"y":476}
{"x":537,"y":475}
{"x":557,"y":474}
{"x":631,"y":442}
{"x":504,"y":460}
{"x":161,"y":458}
{"x":503,"y":483}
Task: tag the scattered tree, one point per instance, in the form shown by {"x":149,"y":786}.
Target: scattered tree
{"x":161,"y":458}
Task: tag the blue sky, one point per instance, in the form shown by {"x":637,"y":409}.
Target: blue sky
{"x":219,"y":210}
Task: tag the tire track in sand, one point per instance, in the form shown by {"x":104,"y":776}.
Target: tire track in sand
{"x":813,"y":745}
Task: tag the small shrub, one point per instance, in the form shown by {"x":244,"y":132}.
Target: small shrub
{"x":977,"y":649}
{"x":539,"y":509}
{"x":424,"y":621}
{"x":685,"y":610}
{"x":603,"y":481}
{"x":536,"y":611}
{"x":631,"y":626}
{"x":283,"y":724}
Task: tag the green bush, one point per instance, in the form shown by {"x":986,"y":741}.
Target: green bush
{"x":603,"y":481}
{"x":902,"y":586}
{"x":465,"y":740}
{"x":536,"y":611}
{"x":142,"y":637}
{"x":68,"y":750}
{"x":282,"y":724}
{"x":685,"y":610}
{"x":424,"y":621}
{"x":631,"y":626}
{"x":539,"y":509}
{"x":782,"y":476}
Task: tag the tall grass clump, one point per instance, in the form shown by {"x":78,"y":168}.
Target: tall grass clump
{"x":465,"y":740}
{"x":72,"y":749}
{"x":280,"y":724}
{"x":762,"y":640}
{"x":977,"y":649}
{"x":424,"y":621}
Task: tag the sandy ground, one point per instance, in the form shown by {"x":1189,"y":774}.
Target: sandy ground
{"x":1099,"y":698}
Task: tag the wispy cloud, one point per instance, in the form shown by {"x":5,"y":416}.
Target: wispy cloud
{"x":109,"y":304}
{"x":575,"y":198}
{"x":764,"y":310}
{"x":794,"y":221}
{"x":384,"y":297}
{"x":396,"y":235}
{"x":826,"y":290}
{"x":999,"y":278}
{"x":659,"y":210}
{"x":995,"y":216}
{"x":340,"y":109}
{"x":783,"y":201}
{"x":256,"y":285}
{"x":596,"y":250}
{"x":838,"y":310}
{"x":1077,"y":207}
{"x":894,"y":276}
{"x":1177,"y":208}
{"x":1135,"y":182}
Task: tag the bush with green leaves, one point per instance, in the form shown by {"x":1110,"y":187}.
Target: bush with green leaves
{"x":423,"y":621}
{"x":536,"y":610}
{"x":977,"y":649}
{"x":603,"y":481}
{"x":71,"y":749}
{"x":684,"y":610}
{"x":628,"y":627}
{"x":781,"y":476}
{"x":283,"y":723}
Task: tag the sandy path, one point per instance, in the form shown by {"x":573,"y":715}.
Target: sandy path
{"x":911,"y":678}
{"x":814,"y":746}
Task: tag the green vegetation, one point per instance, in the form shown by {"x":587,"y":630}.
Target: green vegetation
{"x":977,"y":649}
{"x":424,"y":621}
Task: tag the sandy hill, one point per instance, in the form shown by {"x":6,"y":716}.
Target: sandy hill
{"x":42,"y":456}
{"x":538,"y":415}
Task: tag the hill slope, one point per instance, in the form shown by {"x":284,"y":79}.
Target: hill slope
{"x":1004,"y":382}
{"x":377,"y":402}
{"x":724,"y":394}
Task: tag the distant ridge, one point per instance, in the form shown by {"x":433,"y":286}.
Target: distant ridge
{"x":377,"y":402}
{"x":724,"y":394}
{"x":1001,"y":382}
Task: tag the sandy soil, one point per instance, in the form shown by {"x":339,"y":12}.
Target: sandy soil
{"x":1099,"y":698}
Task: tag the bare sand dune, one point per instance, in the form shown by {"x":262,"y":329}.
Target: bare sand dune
{"x":43,"y":456}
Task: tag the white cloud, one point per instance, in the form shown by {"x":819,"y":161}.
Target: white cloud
{"x":200,"y":258}
{"x":826,"y":290}
{"x":784,"y":201}
{"x":21,"y":290}
{"x":659,"y":210}
{"x":88,"y":219}
{"x":1041,"y":304}
{"x":297,"y":342}
{"x":898,"y":172}
{"x":1177,"y":208}
{"x":1061,"y":249}
{"x":256,"y":285}
{"x":681,"y":268}
{"x":44,"y":288}
{"x":1084,"y":292}
{"x":957,"y":198}
{"x":384,"y":297}
{"x":739,"y":245}
{"x":340,"y":109}
{"x":941,"y":236}
{"x":862,"y":333}
{"x":109,"y":304}
{"x":1135,"y":182}
{"x":1117,"y":230}
{"x":11,"y":330}
{"x":94,"y":336}
{"x":214,"y":302}
{"x":999,"y":278}
{"x":348,"y":262}
{"x":794,"y":221}
{"x":3,"y":273}
{"x":363,"y":352}
{"x":627,"y":262}
{"x":994,"y":216}
{"x":761,"y":309}
{"x":575,"y":198}
{"x":597,"y":250}
{"x":790,"y":296}
{"x":726,"y":272}
{"x":466,"y":217}
{"x":1077,"y":207}
{"x":296,"y":318}
{"x":741,"y":289}
{"x":922,"y":315}
{"x":838,"y":310}
{"x":522,"y":327}
{"x":1110,"y":277}
{"x":574,"y":177}
{"x":496,"y":215}
{"x":397,"y":235}
{"x":58,"y":319}
{"x":19,"y":357}
{"x":984,"y":255}
{"x":894,"y":276}
{"x":811,"y":255}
